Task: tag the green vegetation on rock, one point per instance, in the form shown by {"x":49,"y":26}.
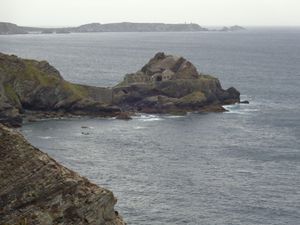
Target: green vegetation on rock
{"x":77,"y":90}
{"x":36,"y":85}
{"x":32,"y":72}
{"x":196,"y":97}
{"x":11,"y":94}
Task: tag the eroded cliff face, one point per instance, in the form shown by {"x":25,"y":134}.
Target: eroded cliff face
{"x":35,"y":189}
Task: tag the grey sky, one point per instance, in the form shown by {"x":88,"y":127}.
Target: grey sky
{"x":204,"y":12}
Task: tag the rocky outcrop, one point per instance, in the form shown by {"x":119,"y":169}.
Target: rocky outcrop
{"x":171,"y":84}
{"x":35,"y":189}
{"x":166,"y":84}
{"x":124,"y":116}
{"x":36,"y":85}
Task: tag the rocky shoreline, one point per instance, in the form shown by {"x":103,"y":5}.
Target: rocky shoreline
{"x":166,"y":84}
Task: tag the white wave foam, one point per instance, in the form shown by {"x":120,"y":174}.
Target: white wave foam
{"x":87,"y":127}
{"x":241,"y":108}
{"x":232,"y":107}
{"x":139,"y":128}
{"x":45,"y":137}
{"x":173,"y":116}
{"x":148,"y":118}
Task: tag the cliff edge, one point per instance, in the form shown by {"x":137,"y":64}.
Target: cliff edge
{"x":35,"y":189}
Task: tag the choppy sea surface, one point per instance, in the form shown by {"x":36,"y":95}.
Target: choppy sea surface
{"x":237,"y":167}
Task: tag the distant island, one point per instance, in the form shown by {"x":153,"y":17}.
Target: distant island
{"x":10,"y":28}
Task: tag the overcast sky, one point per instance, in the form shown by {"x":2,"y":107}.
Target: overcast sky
{"x":203,"y":12}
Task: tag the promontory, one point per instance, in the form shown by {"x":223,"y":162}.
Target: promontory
{"x":166,"y":84}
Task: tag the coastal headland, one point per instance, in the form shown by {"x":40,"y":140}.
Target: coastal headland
{"x":169,"y":84}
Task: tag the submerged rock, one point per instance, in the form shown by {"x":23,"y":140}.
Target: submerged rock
{"x":35,"y":189}
{"x":124,"y":116}
{"x":244,"y":102}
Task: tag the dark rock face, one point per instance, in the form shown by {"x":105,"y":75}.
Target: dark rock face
{"x":124,"y":116}
{"x":244,"y":102}
{"x":171,"y":84}
{"x":173,"y":66}
{"x":35,"y":189}
{"x":10,"y":116}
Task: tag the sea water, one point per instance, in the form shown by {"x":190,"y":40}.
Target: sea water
{"x":237,"y":167}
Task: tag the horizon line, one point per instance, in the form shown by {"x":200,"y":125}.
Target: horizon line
{"x":215,"y":25}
